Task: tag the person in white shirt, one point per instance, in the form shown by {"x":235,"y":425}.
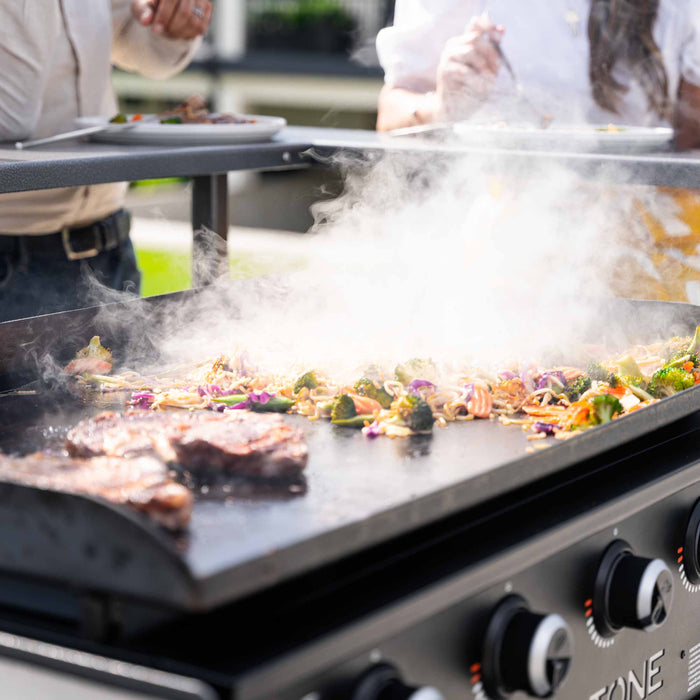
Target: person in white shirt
{"x":594,"y":61}
{"x":56,"y":58}
{"x":581,"y":61}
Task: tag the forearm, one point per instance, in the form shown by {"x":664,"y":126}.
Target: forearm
{"x":28,"y":34}
{"x":400,"y":108}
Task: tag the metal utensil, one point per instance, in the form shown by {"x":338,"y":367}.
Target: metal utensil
{"x":76,"y":133}
{"x":545,"y":118}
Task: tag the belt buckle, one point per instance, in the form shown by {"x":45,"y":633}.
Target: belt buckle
{"x":76,"y":254}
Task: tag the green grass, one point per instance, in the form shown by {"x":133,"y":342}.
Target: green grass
{"x":163,"y":272}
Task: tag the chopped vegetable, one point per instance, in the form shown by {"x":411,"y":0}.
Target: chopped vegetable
{"x":354,"y":422}
{"x":578,"y":387}
{"x":93,"y":359}
{"x":343,"y":408}
{"x":668,"y":381}
{"x":366,"y":387}
{"x":305,"y":381}
{"x":604,"y":408}
{"x":415,"y":413}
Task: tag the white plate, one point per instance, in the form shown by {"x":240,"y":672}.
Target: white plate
{"x":630,"y":139}
{"x":154,"y":133}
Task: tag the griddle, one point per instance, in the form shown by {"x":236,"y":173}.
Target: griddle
{"x":360,"y":492}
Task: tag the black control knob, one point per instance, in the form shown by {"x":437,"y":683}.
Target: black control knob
{"x":384,"y":682}
{"x":525,"y":651}
{"x":631,"y":591}
{"x":691,"y":546}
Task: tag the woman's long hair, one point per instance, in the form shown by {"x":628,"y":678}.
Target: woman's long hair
{"x":621,"y":32}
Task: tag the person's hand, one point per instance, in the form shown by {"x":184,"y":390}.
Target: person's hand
{"x":176,"y":19}
{"x":467,"y":69}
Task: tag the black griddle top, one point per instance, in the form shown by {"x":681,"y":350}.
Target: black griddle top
{"x":360,"y":493}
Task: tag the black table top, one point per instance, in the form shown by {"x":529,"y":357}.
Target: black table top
{"x":77,"y":163}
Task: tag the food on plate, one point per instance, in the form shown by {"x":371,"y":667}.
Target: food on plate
{"x":192,"y":111}
{"x":235,"y":443}
{"x":142,"y":484}
{"x":93,"y":358}
{"x":559,"y":401}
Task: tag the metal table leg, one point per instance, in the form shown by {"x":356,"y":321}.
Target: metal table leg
{"x":209,"y":228}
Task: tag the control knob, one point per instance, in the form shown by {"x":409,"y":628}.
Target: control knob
{"x":631,"y":591}
{"x":691,"y":546}
{"x":383,"y":681}
{"x":525,"y":651}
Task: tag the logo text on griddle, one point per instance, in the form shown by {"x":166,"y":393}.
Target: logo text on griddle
{"x":633,"y":685}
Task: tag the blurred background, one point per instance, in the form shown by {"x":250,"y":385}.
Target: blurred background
{"x":310,"y":61}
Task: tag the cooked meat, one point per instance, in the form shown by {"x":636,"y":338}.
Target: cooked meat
{"x":249,"y":444}
{"x":142,"y":484}
{"x":240,"y":443}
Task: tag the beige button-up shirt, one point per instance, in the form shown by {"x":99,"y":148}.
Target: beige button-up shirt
{"x":56,"y":58}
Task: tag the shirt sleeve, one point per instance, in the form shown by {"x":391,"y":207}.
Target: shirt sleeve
{"x":690,"y":53}
{"x":409,"y":51}
{"x":138,"y":50}
{"x":28,"y":33}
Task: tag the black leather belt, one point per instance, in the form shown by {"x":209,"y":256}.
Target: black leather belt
{"x":73,"y":243}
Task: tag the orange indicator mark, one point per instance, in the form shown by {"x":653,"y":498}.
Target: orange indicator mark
{"x":680,"y":559}
{"x":589,"y":612}
{"x":588,"y":603}
{"x":475,"y":668}
{"x":476,"y":679}
{"x":680,"y":550}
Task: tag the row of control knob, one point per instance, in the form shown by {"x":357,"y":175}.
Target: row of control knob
{"x":532,"y":652}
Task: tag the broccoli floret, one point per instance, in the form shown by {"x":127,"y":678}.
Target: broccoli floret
{"x":603,"y":408}
{"x":596,"y":371}
{"x":579,"y":386}
{"x":415,"y":413}
{"x":343,"y":408}
{"x":613,"y":380}
{"x":415,"y":369}
{"x":305,"y":381}
{"x":366,"y":387}
{"x":668,"y":381}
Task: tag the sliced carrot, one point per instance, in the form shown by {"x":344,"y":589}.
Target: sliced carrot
{"x":570,"y":373}
{"x":480,"y":404}
{"x":688,"y":366}
{"x":137,"y":118}
{"x":364,"y":405}
{"x":618,"y":391}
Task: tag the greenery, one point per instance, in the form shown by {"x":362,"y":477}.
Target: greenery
{"x":163,"y":272}
{"x":303,"y":24}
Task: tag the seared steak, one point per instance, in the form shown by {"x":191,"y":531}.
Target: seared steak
{"x":236,"y":443}
{"x":142,"y":484}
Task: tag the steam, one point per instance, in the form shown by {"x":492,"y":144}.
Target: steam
{"x":420,"y":257}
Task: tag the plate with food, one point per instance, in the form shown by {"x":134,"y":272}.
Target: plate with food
{"x":191,"y":123}
{"x":606,"y":138}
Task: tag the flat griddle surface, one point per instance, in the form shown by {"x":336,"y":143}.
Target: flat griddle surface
{"x":360,"y":492}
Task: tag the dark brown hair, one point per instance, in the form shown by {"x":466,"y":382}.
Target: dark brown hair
{"x":621,"y":32}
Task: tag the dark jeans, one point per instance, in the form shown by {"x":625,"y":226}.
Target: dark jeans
{"x":46,"y":282}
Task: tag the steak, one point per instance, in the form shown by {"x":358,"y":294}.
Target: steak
{"x":142,"y":484}
{"x":235,"y":444}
